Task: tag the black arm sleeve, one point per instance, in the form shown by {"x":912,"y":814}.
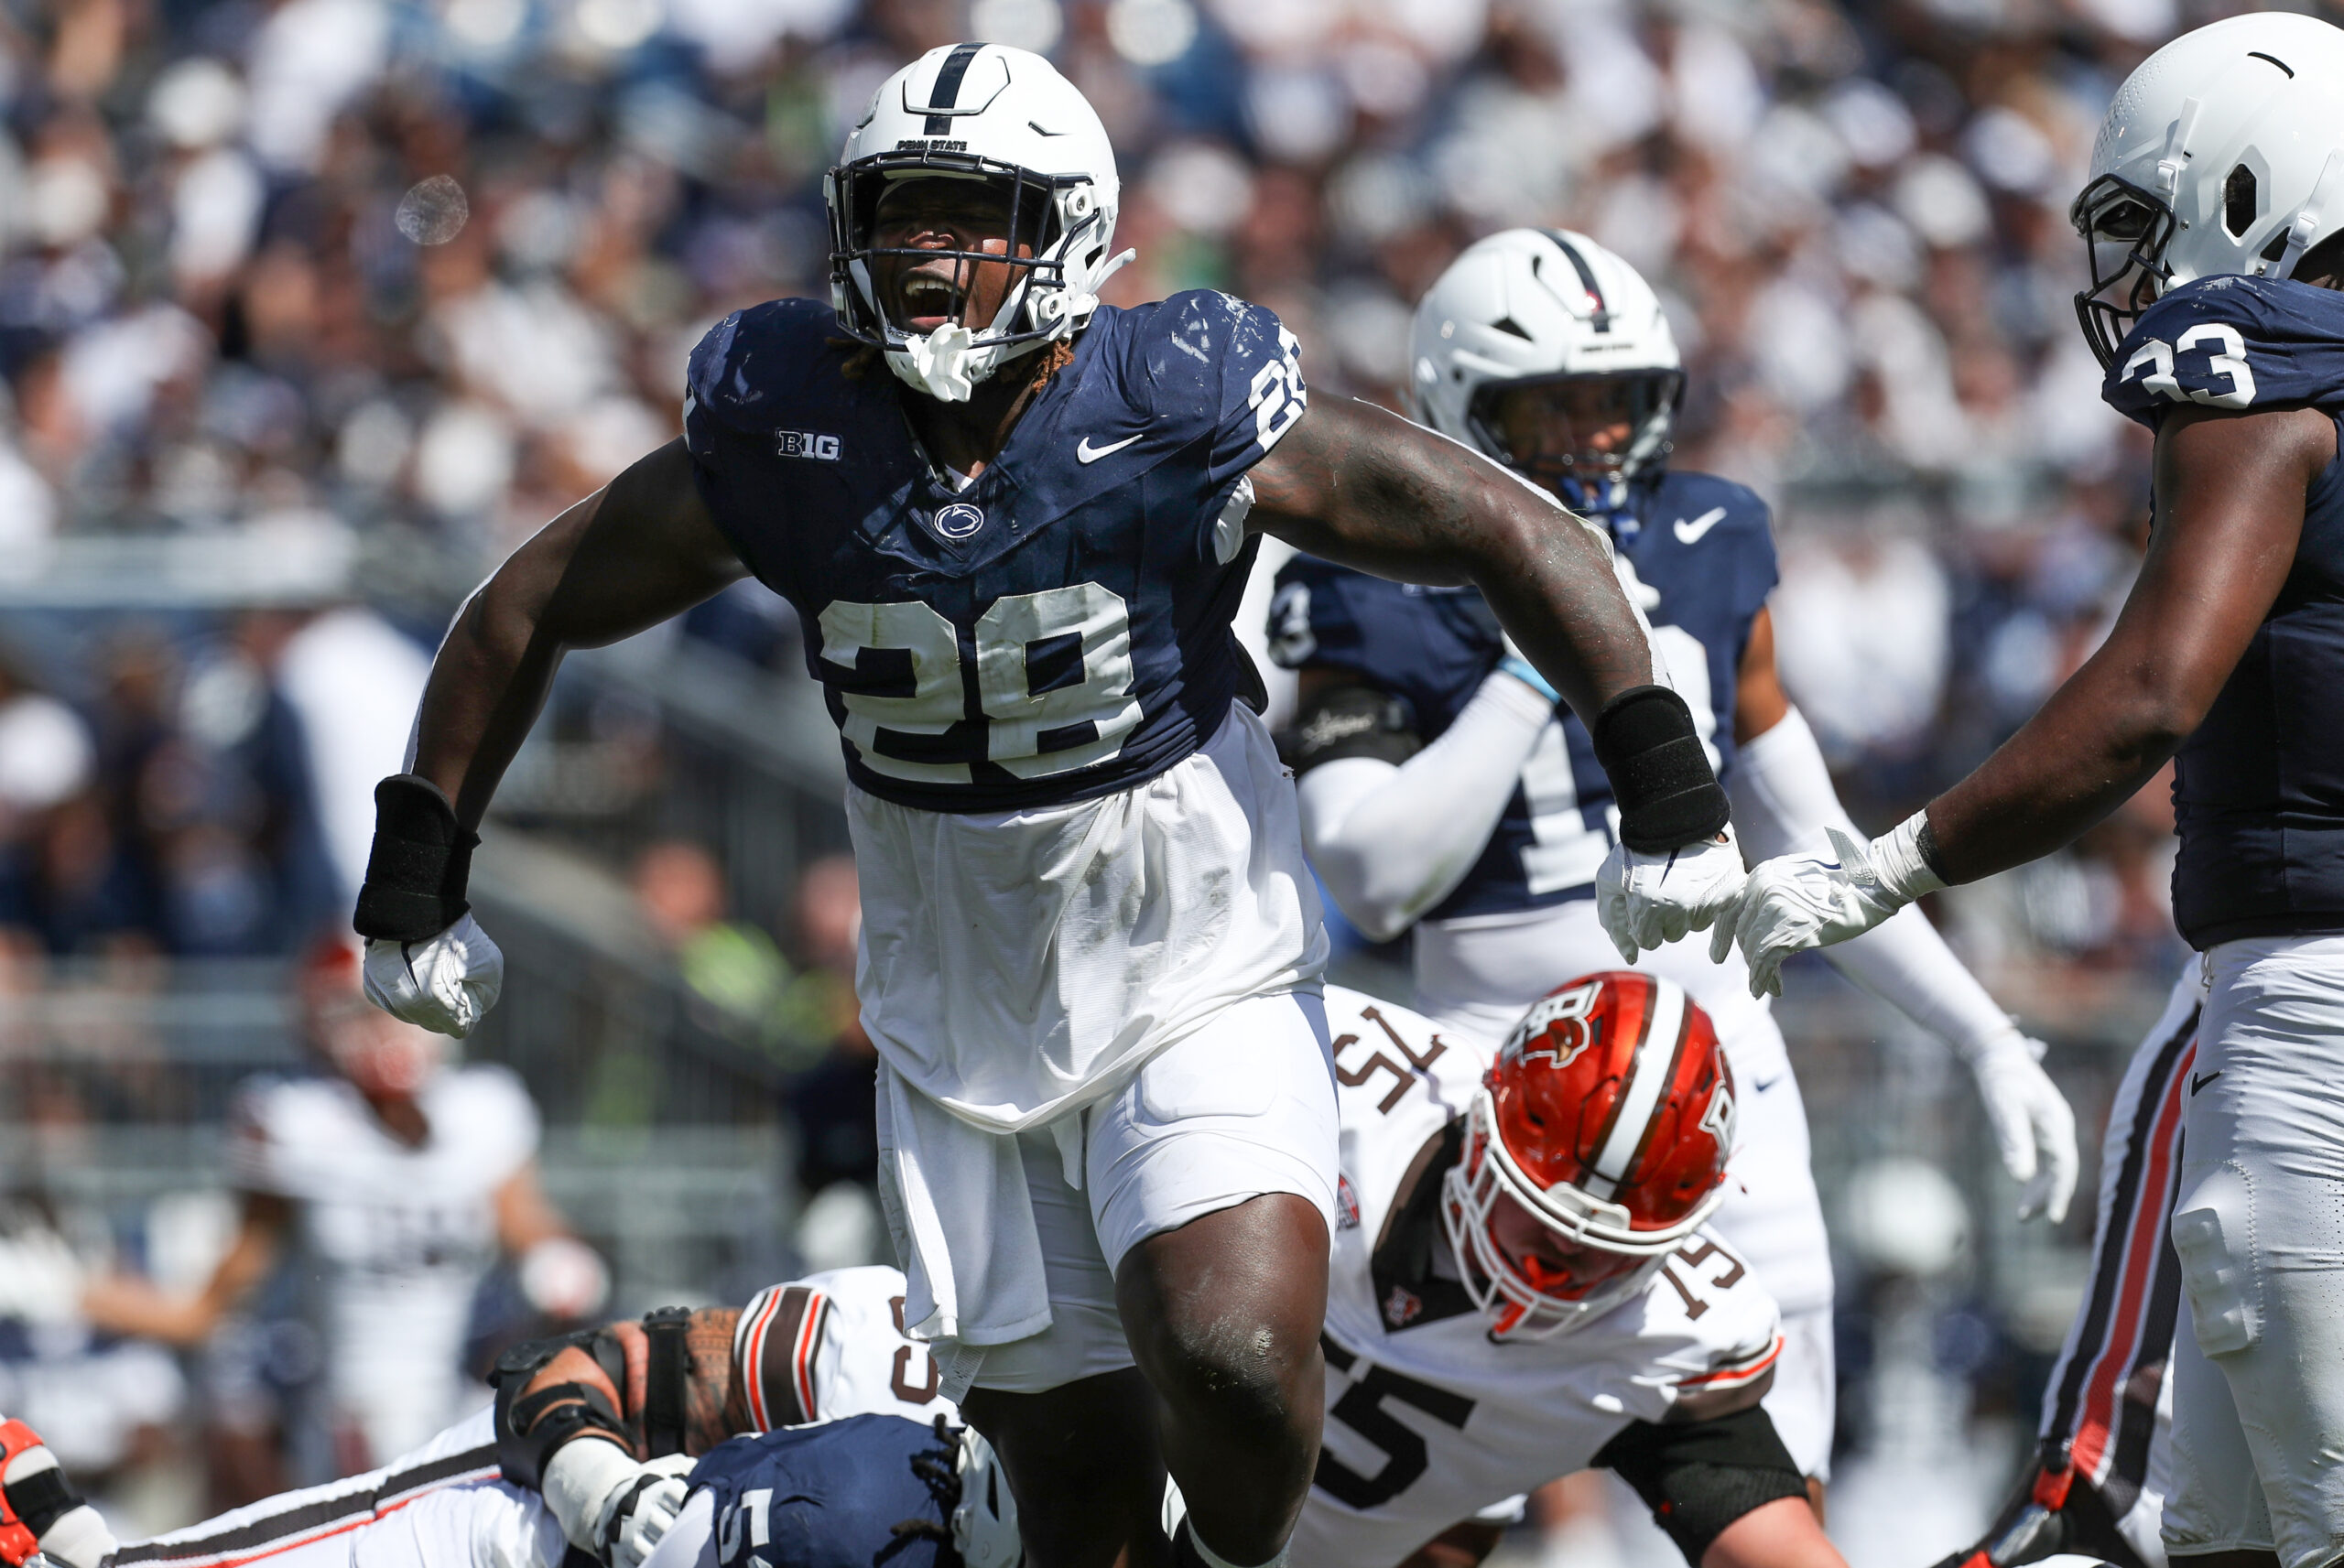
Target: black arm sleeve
{"x":1350,"y":722}
{"x":1699,"y":1476}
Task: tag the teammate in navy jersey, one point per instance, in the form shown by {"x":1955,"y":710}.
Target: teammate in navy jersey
{"x":2215,"y":223}
{"x":1445,"y":785}
{"x":1015,"y":523}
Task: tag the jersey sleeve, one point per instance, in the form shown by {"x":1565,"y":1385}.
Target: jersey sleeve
{"x":1222,"y":372}
{"x":2232,"y":342}
{"x":775,"y":1344}
{"x":503,"y":1119}
{"x":256,"y":1154}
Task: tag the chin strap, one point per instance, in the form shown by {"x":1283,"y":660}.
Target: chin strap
{"x":2305,"y":231}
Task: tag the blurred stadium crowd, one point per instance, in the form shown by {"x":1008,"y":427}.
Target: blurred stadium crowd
{"x":376,"y":286}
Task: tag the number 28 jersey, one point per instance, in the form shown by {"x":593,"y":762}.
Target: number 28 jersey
{"x":1056,"y":630}
{"x":1428,"y":1420}
{"x":1702,"y":544}
{"x":2258,"y":789}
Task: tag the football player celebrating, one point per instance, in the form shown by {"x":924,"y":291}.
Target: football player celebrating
{"x":400,"y":1178}
{"x":1525,"y":1284}
{"x":1017,"y":524}
{"x":2214,"y":219}
{"x":1444,"y":784}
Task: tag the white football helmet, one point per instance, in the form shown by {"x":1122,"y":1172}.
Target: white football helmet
{"x":982,"y":112}
{"x":1545,"y":304}
{"x":2223,"y":153}
{"x":985,"y":1523}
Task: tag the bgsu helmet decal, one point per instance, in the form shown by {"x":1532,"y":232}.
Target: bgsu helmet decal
{"x":1557,"y":1028}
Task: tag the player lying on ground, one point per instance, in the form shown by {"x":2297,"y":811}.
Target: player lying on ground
{"x":2103,"y":1453}
{"x":620,"y":1434}
{"x":1443,"y":785}
{"x":2215,"y":225}
{"x":1015,"y":523}
{"x":1525,"y":1286}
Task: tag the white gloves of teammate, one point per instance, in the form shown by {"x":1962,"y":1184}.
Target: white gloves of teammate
{"x":1796,"y":901}
{"x":1645,"y":901}
{"x":610,"y":1504}
{"x":2032,"y":1124}
{"x":445,"y":983}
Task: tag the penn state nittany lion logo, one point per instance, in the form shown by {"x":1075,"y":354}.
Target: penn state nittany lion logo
{"x":1557,"y":1030}
{"x":959,"y":519}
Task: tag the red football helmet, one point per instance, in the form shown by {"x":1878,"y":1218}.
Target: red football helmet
{"x":1605,"y":1125}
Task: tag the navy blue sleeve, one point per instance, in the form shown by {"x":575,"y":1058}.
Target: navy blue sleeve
{"x":2232,"y":342}
{"x":1431,"y":648}
{"x":1214,"y":369}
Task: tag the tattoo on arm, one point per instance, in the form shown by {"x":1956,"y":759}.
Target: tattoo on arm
{"x":1353,"y":483}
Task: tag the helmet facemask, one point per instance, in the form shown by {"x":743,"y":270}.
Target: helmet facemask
{"x":1525,"y":1298}
{"x":1042,"y":221}
{"x":2125,"y":230}
{"x":1560,"y":456}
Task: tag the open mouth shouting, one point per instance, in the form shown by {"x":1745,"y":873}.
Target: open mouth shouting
{"x":928,"y":298}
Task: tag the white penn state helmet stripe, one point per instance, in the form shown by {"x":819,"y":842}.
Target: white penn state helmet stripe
{"x":1657,"y":1055}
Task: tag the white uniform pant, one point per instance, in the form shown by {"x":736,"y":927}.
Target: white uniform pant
{"x":1243,"y":1107}
{"x":2259,"y":1227}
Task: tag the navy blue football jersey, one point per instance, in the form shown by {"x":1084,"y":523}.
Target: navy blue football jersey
{"x":839,"y":1495}
{"x":1059,"y":628}
{"x":2258,"y":790}
{"x":1701,"y":542}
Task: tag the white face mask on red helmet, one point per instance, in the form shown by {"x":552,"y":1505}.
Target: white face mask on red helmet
{"x":1607,"y":1120}
{"x":1004,"y":116}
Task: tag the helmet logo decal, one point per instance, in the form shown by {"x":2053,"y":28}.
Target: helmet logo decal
{"x":1401,"y":1306}
{"x":1560,"y":1027}
{"x":958,"y":521}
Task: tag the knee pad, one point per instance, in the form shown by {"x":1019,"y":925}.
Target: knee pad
{"x":2213,"y":1235}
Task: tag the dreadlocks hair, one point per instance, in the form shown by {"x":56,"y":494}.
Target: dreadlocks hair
{"x":940,"y":1469}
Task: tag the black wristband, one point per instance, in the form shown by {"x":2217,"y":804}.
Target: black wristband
{"x":421,"y":860}
{"x":40,"y":1499}
{"x":1926,"y":842}
{"x":1669,"y":795}
{"x":663,"y":1388}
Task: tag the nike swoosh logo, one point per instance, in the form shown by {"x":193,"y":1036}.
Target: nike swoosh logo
{"x":1085,"y":452}
{"x":2196,"y":1082}
{"x":1690,"y":533}
{"x":1770,"y":1083}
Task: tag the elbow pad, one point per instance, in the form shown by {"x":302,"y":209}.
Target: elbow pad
{"x":1697,"y":1477}
{"x":1350,"y":722}
{"x":530,"y":1428}
{"x":1669,"y":795}
{"x":418,"y":866}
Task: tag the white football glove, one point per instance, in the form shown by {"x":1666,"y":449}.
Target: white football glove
{"x":1796,"y":901}
{"x":2032,"y":1124}
{"x":1645,"y":901}
{"x":445,"y":983}
{"x":610,"y":1504}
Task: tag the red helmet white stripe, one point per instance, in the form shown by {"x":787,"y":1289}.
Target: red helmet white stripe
{"x":1658,"y":1053}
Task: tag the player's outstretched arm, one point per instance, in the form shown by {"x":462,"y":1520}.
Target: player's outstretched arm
{"x":1355,"y":484}
{"x":640,"y":550}
{"x":2230,"y":489}
{"x":1784,"y":803}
